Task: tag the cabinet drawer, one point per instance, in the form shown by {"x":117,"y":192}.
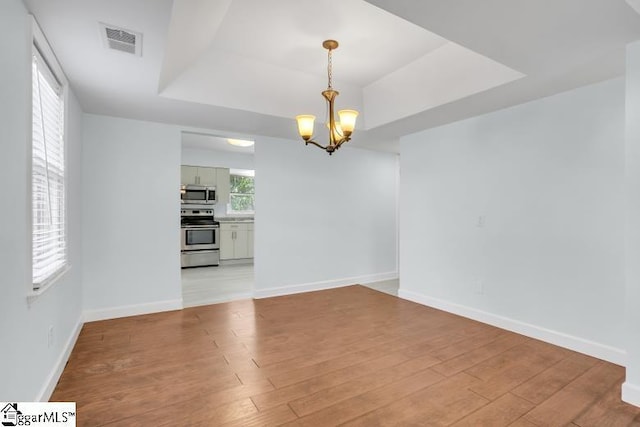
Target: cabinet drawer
{"x":236,"y":226}
{"x":229,"y":226}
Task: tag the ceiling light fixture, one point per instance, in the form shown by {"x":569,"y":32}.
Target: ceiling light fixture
{"x":240,"y":142}
{"x":339,"y":132}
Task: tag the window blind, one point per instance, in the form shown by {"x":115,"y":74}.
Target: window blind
{"x":48,"y":183}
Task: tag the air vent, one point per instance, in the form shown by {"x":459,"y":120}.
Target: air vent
{"x":120,"y":39}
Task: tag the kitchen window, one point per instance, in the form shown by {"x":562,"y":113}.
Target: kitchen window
{"x":49,"y":236}
{"x":242,"y":192}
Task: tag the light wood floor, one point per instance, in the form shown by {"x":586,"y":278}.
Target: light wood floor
{"x":212,"y":285}
{"x":351,"y":356}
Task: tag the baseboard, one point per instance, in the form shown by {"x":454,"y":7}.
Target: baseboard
{"x":581,"y":345}
{"x":240,"y":261}
{"x":326,"y":284}
{"x":631,"y":393}
{"x":229,"y":298}
{"x":132,"y":310}
{"x":380,"y":277}
{"x":54,"y":376}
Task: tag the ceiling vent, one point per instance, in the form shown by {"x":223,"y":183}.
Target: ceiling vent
{"x":120,"y":39}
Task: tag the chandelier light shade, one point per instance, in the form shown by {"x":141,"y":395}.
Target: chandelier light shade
{"x":305,"y":125}
{"x":339,"y":131}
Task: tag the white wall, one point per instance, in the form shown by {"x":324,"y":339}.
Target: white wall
{"x":217,"y":159}
{"x":631,"y":387}
{"x":322,"y":221}
{"x":131,"y":172}
{"x":29,"y":366}
{"x":548,"y":179}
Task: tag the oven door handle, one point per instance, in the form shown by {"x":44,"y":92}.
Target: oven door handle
{"x":199,"y":227}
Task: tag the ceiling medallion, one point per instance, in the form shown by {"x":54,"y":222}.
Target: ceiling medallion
{"x":339,"y":132}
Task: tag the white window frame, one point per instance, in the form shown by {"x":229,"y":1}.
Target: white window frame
{"x":39,"y":43}
{"x":246,"y":173}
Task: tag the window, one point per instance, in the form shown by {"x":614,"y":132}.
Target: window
{"x":49,"y":256}
{"x":242,"y":191}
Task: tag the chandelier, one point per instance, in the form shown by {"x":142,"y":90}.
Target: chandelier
{"x":339,"y":132}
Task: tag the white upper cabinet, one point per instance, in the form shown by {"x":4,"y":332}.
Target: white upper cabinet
{"x":199,"y":175}
{"x":208,"y":176}
{"x":223,"y":185}
{"x":188,"y":175}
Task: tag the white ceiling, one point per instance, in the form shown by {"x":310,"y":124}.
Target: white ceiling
{"x":365,"y":55}
{"x":248,"y":66}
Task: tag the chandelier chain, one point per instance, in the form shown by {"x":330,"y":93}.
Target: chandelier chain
{"x":329,"y":70}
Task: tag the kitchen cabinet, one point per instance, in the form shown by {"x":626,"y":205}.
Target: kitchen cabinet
{"x":250,"y":241}
{"x":188,"y":175}
{"x":223,"y":186}
{"x":198,"y":175}
{"x":207,"y":177}
{"x":227,"y":242}
{"x":236,"y":241}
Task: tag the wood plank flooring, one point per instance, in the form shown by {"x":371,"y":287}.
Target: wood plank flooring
{"x":350,"y":356}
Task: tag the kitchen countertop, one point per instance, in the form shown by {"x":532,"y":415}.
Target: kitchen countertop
{"x":234,"y":219}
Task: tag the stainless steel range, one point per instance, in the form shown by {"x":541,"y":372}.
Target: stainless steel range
{"x":200,"y":238}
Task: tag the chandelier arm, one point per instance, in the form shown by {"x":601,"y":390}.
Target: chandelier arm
{"x":315,"y":143}
{"x":342,"y":141}
{"x":332,"y":125}
{"x":330,"y":96}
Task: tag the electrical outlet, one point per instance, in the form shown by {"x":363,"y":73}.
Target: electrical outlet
{"x":480,"y":223}
{"x":50,"y":337}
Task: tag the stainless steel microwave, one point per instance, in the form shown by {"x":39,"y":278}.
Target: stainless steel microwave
{"x":197,"y":195}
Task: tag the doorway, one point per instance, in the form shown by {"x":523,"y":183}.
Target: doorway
{"x":228,"y":168}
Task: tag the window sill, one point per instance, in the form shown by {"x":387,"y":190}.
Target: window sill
{"x":36,"y":293}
